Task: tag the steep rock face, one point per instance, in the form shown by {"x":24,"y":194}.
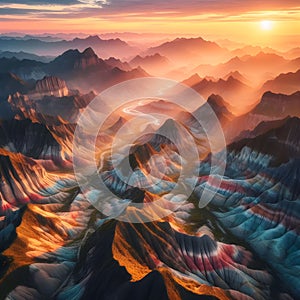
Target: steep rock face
{"x":270,"y":108}
{"x":282,"y":142}
{"x":245,"y":122}
{"x":86,"y":71}
{"x":49,"y":109}
{"x":11,"y":83}
{"x":279,"y":105}
{"x":88,"y":58}
{"x":74,"y":60}
{"x":284,"y":83}
{"x":221,"y":108}
{"x":51,"y":86}
{"x":261,"y":128}
{"x":43,"y":128}
{"x":81,"y":70}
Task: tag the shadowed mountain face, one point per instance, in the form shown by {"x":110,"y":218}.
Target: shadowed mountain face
{"x":284,"y":83}
{"x":278,"y":105}
{"x":221,"y":108}
{"x":87,"y":71}
{"x":60,"y":239}
{"x":271,"y":107}
{"x":25,"y":69}
{"x":11,"y":84}
{"x":81,"y":70}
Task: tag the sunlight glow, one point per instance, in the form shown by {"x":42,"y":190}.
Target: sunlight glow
{"x":266,"y":25}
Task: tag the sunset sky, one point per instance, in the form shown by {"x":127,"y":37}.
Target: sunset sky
{"x":269,"y":22}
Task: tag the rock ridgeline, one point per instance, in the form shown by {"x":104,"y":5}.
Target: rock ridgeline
{"x":51,"y":86}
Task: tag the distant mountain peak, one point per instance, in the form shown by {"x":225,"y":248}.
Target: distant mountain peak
{"x":151,"y":59}
{"x":192,"y":80}
{"x":142,"y":71}
{"x":170,"y":130}
{"x":190,"y":50}
{"x":70,"y":52}
{"x":190,"y":39}
{"x":233,"y":74}
{"x":89,"y":52}
{"x":93,"y":38}
{"x":236,"y":75}
{"x":78,"y":60}
{"x":235,"y":59}
{"x":231,"y":79}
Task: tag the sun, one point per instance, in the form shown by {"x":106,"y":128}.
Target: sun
{"x":266,"y":25}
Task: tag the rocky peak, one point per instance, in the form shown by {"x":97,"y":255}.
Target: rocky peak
{"x":193,"y":80}
{"x":73,"y":59}
{"x":51,"y":86}
{"x":279,"y":105}
{"x":220,"y":108}
{"x":93,"y":38}
{"x":89,"y":52}
{"x":87,"y":58}
{"x":217,"y":100}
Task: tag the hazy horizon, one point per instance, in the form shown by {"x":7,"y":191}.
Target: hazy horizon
{"x":252,"y":22}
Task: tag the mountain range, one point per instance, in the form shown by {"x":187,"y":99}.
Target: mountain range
{"x":185,"y":214}
{"x":82,"y":70}
{"x":192,"y":50}
{"x":258,"y":68}
{"x":231,"y":88}
{"x":104,"y":48}
{"x":270,"y":107}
